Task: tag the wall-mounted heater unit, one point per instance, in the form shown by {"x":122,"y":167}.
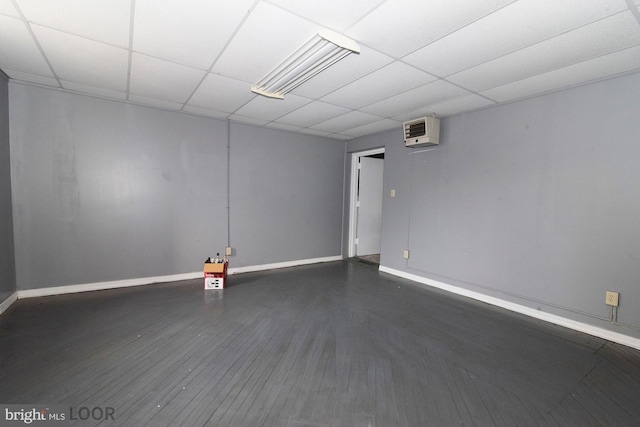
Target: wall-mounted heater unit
{"x":421,"y":132}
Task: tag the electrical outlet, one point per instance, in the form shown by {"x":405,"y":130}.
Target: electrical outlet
{"x":405,"y":254}
{"x":612,"y":298}
{"x":227,"y":251}
{"x":393,"y":193}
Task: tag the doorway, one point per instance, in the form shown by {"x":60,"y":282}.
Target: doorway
{"x":365,"y":216}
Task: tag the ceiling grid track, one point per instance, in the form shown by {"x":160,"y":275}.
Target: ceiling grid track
{"x":132,"y":18}
{"x":209,"y":70}
{"x":37,"y":43}
{"x":634,"y":10}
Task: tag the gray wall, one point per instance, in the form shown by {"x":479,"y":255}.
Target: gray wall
{"x":7,"y":265}
{"x":286,"y":195}
{"x":105,"y":191}
{"x":109,"y":191}
{"x":536,"y":202}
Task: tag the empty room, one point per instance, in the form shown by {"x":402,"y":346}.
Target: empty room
{"x":320,"y":213}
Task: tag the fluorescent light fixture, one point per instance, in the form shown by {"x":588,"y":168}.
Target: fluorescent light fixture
{"x":318,"y":54}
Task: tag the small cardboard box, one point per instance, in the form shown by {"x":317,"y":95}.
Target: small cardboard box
{"x":215,"y":274}
{"x":219,"y":267}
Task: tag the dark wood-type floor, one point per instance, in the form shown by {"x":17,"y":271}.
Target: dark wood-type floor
{"x":336,"y":344}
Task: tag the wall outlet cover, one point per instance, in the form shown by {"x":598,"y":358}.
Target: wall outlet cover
{"x":612,"y":298}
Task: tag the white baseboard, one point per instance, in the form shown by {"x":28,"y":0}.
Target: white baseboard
{"x":4,"y":305}
{"x":528,"y":311}
{"x":99,"y":286}
{"x":283,"y":264}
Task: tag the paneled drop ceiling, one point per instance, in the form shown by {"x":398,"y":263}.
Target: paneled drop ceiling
{"x":417,"y":56}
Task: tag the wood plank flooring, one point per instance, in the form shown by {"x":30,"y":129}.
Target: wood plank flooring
{"x":335,"y":344}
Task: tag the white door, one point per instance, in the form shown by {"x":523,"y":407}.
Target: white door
{"x":369,"y":206}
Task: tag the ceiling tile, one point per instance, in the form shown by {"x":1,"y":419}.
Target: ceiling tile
{"x":420,"y":22}
{"x":388,"y":81}
{"x":282,"y":126}
{"x":249,"y":120}
{"x":339,"y":137}
{"x":415,"y":98}
{"x":376,"y":127}
{"x":346,"y":121}
{"x":103,"y":21}
{"x":514,"y":27}
{"x":84,"y":61}
{"x":603,"y":66}
{"x":6,"y":8}
{"x":205,"y":112}
{"x":448,"y":107}
{"x":190,"y":32}
{"x":154,"y":102}
{"x":344,"y":72}
{"x":92,"y":90}
{"x":269,"y":109}
{"x":158,"y":79}
{"x":310,"y":131}
{"x":18,"y":50}
{"x":324,"y":12}
{"x":221,"y":94}
{"x":266,"y":38}
{"x":600,"y":38}
{"x":312,"y":113}
{"x":30,"y":78}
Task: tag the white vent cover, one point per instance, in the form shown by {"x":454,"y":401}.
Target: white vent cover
{"x":421,"y":132}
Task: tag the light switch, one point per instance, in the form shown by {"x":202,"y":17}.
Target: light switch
{"x":393,"y":192}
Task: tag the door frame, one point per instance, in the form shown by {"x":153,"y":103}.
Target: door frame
{"x":353,"y":209}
